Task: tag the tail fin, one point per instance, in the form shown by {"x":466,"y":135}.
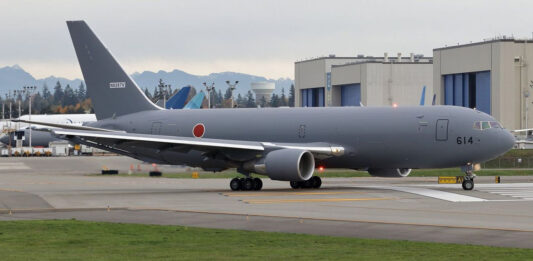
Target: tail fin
{"x":112,"y":91}
{"x":196,"y":101}
{"x":423,"y":96}
{"x":178,"y":100}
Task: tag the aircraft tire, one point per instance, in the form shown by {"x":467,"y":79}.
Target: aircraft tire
{"x":306,"y":184}
{"x":235,"y":184}
{"x":258,"y":184}
{"x":248,"y":184}
{"x":295,"y":184}
{"x":468,"y":184}
{"x":317,"y":182}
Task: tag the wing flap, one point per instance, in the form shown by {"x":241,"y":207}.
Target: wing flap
{"x":198,"y":142}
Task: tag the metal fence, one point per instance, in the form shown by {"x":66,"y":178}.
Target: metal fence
{"x":508,"y":163}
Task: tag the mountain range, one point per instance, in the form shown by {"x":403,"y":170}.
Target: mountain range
{"x":14,"y":77}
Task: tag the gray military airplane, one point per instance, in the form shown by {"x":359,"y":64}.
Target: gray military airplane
{"x":284,"y":144}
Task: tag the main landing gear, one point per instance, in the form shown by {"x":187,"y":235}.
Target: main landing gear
{"x":246,"y":184}
{"x":468,"y":181}
{"x":313,"y":182}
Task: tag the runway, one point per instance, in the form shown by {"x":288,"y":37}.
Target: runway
{"x":408,"y":208}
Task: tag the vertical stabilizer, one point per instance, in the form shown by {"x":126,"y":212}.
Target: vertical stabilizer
{"x":112,"y":91}
{"x":423,"y":96}
{"x":196,"y":101}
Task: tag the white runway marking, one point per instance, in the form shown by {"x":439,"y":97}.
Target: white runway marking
{"x":517,"y":190}
{"x":448,"y":196}
{"x":13,"y":166}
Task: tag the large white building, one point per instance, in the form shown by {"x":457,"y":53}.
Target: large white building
{"x":492,"y":76}
{"x":263,"y":90}
{"x":370,"y":81}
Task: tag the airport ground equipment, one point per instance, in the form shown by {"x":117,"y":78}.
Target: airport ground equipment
{"x":282,"y":143}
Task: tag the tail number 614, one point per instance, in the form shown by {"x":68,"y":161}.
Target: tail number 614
{"x":465,"y":140}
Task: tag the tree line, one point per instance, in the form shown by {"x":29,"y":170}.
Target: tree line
{"x":59,"y":100}
{"x":68,"y":100}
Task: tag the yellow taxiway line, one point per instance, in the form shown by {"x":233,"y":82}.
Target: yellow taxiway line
{"x":266,"y":194}
{"x":273,"y":201}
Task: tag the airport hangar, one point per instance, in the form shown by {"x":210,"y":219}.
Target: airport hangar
{"x":491,"y":76}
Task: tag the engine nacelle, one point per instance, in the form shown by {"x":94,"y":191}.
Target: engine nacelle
{"x":285,"y":164}
{"x":389,"y":173}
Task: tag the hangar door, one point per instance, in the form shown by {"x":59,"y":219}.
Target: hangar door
{"x":470,"y":90}
{"x":351,"y":95}
{"x":313,"y":97}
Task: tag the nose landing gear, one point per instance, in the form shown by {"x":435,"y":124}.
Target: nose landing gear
{"x":468,"y":182}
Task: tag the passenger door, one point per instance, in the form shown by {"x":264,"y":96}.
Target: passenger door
{"x":442,"y":130}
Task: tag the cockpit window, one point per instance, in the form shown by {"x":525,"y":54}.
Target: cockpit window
{"x":483,"y":125}
{"x":495,"y":124}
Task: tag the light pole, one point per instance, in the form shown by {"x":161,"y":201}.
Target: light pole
{"x":231,"y":88}
{"x":209,"y":88}
{"x":8,"y":97}
{"x":17,"y":93}
{"x":163,"y":89}
{"x":29,"y":90}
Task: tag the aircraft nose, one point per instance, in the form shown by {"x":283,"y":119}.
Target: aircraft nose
{"x":507,"y":140}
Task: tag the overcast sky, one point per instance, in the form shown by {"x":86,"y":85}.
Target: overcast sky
{"x":256,"y":37}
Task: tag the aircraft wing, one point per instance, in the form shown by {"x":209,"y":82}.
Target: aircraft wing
{"x":521,"y":130}
{"x":121,"y":140}
{"x":63,"y":126}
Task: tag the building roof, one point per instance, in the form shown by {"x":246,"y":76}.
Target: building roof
{"x":488,"y":41}
{"x":426,"y":60}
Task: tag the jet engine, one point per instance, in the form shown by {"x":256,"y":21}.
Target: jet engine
{"x":389,"y":173}
{"x":285,"y":164}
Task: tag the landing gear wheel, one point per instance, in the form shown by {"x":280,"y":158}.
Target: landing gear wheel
{"x":235,"y":184}
{"x":295,"y":184}
{"x":248,"y":184}
{"x":308,"y":183}
{"x":317,"y":182}
{"x":258,"y":184}
{"x":468,"y":184}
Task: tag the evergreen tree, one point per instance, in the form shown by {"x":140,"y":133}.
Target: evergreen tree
{"x":219,"y":99}
{"x":81,"y":92}
{"x":69,"y":97}
{"x":283,"y":98}
{"x":291,"y":96}
{"x":239,"y":101}
{"x":147,"y":93}
{"x":263,"y":102}
{"x":274,"y":100}
{"x":250,"y":101}
{"x":46,"y":92}
{"x":58,"y":93}
{"x":156,"y":94}
{"x":227,"y":95}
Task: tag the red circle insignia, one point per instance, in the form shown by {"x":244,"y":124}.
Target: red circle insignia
{"x":198,"y":130}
